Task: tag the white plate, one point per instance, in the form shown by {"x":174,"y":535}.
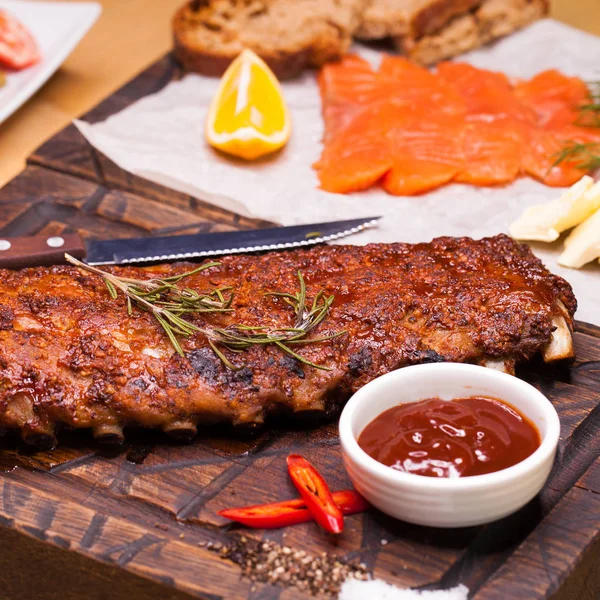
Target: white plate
{"x":57,"y":27}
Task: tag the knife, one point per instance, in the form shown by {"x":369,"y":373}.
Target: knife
{"x":20,"y":252}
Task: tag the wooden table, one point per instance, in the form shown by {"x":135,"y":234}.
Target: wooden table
{"x":129,"y":36}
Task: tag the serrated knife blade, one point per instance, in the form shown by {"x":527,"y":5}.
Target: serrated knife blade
{"x":21,"y":252}
{"x":170,"y":248}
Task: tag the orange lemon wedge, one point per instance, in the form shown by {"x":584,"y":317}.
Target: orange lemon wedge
{"x":248,"y":116}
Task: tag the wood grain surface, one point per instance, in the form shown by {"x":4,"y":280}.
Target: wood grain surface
{"x":83,"y":522}
{"x":126,"y":512}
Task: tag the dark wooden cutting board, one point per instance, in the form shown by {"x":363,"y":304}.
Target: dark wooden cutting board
{"x":77,"y":522}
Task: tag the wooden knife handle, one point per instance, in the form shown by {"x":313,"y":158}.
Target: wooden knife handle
{"x":35,"y":251}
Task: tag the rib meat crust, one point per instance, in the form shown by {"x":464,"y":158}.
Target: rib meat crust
{"x":72,"y":356}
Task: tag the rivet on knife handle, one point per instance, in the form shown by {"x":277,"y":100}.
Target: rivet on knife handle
{"x":35,"y":251}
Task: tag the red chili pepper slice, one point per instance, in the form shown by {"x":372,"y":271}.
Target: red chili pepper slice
{"x":315,"y":492}
{"x":291,"y":512}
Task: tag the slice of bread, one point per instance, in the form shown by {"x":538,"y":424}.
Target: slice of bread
{"x":387,"y":18}
{"x":492,"y":20}
{"x":289,"y":35}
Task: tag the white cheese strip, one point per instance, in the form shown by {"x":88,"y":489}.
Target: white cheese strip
{"x":583,"y":244}
{"x":545,"y":222}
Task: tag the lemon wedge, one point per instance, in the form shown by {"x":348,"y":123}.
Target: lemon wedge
{"x":545,"y":222}
{"x":248,"y":116}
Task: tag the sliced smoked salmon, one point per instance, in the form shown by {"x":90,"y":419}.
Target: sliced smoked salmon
{"x":543,"y":147}
{"x":492,"y":151}
{"x":539,"y":158}
{"x":554,"y":97}
{"x":360,"y":154}
{"x":426,"y":153}
{"x":350,"y":81}
{"x":485,"y":92}
{"x":414,"y":130}
{"x":353,"y":81}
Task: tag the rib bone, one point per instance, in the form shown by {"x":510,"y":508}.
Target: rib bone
{"x":20,"y":409}
{"x":182,"y":430}
{"x":109,"y":434}
{"x":561,"y":344}
{"x":40,"y":435}
{"x":504,"y":366}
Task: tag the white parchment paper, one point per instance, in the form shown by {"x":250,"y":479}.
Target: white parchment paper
{"x":161,"y":138}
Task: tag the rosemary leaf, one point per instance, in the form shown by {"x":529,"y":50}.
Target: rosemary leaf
{"x":163,"y":299}
{"x":169,"y":303}
{"x":301,"y":358}
{"x":178,"y":278}
{"x":318,"y":340}
{"x":111,"y":289}
{"x":223,"y":358}
{"x":239,"y":337}
{"x":170,"y":334}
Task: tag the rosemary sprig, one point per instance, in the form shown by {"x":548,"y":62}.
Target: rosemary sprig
{"x":583,"y":156}
{"x":165,"y":299}
{"x":308,"y":315}
{"x":168,"y":303}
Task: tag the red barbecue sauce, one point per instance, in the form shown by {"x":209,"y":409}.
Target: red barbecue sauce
{"x":460,"y":438}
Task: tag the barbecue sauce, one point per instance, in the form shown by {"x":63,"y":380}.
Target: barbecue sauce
{"x":458,"y":438}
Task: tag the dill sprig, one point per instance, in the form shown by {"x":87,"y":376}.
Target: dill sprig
{"x":162,"y":297}
{"x":589,"y":112}
{"x":307,"y":316}
{"x":583,"y":156}
{"x":169,"y":303}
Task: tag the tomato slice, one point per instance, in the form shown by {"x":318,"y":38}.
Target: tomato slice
{"x":18,"y":49}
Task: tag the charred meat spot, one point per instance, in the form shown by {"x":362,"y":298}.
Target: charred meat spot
{"x":6,"y":318}
{"x":37,"y":302}
{"x":99,"y":392}
{"x":140,"y":383}
{"x":30,"y":376}
{"x":209,"y":367}
{"x":205,"y":363}
{"x":178,"y":381}
{"x":429,"y":356}
{"x":360,"y":361}
{"x":292,"y":364}
{"x":243,"y":375}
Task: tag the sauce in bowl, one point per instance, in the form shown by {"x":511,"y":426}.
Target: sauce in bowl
{"x":457,"y":438}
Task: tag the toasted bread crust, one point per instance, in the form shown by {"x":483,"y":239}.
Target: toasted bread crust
{"x":437,"y":14}
{"x":289,"y":35}
{"x":385,"y":18}
{"x":492,"y":20}
{"x":285,"y":65}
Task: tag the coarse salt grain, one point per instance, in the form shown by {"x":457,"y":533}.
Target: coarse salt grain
{"x":376,"y":589}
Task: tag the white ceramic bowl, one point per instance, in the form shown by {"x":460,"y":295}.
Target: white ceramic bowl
{"x":443,"y":502}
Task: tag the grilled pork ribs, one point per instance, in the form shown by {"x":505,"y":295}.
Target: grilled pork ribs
{"x":71,"y":355}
